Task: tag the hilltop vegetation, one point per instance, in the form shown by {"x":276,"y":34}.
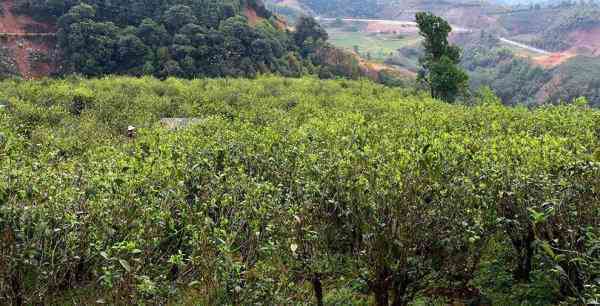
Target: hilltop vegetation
{"x":167,"y":38}
{"x":557,"y":27}
{"x":195,"y":38}
{"x":519,"y":80}
{"x":289,"y":190}
{"x":514,"y":79}
{"x":579,"y":77}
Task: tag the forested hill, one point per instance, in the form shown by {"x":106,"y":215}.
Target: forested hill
{"x":184,"y":38}
{"x":347,"y":8}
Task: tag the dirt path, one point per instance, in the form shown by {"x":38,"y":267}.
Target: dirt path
{"x":544,"y":58}
{"x":524,"y":46}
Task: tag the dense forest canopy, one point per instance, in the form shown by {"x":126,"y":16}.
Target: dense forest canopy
{"x":516,"y":80}
{"x":176,"y":38}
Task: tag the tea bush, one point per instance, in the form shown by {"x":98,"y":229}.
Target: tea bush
{"x":292,"y":191}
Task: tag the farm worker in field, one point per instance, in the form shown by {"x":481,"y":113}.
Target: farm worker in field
{"x":131,"y":132}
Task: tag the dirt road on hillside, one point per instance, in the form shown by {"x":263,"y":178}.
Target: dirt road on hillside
{"x":13,"y":31}
{"x":524,"y":46}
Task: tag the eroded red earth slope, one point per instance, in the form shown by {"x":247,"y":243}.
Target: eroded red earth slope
{"x":20,"y":35}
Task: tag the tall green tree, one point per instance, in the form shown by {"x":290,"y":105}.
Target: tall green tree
{"x":308,"y":29}
{"x":90,"y":46}
{"x":178,"y":16}
{"x":440,"y":70}
{"x":186,"y":38}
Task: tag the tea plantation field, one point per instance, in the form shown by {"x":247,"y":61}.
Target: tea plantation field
{"x":292,"y":192}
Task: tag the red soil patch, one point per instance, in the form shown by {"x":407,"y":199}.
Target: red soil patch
{"x":252,"y":16}
{"x":10,"y":23}
{"x":281,"y":24}
{"x":583,"y":42}
{"x":372,"y":69}
{"x":388,"y":27}
{"x":22,"y":46}
{"x":554,"y":59}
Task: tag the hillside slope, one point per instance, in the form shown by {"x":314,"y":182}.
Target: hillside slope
{"x":572,"y":29}
{"x":531,"y":79}
{"x":211,"y":38}
{"x":30,"y":44}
